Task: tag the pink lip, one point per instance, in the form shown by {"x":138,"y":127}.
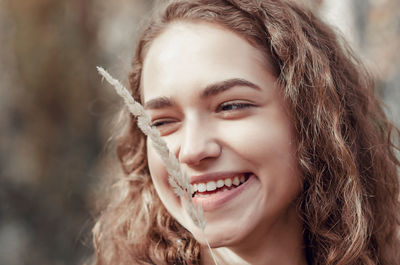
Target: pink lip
{"x":213,"y":176}
{"x":218,"y":199}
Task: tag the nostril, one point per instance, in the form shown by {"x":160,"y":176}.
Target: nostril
{"x":201,"y":153}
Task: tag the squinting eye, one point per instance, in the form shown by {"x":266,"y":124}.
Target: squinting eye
{"x":166,"y":126}
{"x":159,"y":123}
{"x":231,"y":106}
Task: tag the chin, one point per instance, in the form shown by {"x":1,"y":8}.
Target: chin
{"x":221,"y":237}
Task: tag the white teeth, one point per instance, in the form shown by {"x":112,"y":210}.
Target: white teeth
{"x":211,"y":185}
{"x":228,"y":182}
{"x":242,"y":179}
{"x":236,"y":181}
{"x":220,"y":183}
{"x":201,"y":187}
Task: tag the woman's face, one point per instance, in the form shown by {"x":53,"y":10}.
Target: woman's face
{"x":215,"y":100}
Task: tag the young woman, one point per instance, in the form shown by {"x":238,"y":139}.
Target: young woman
{"x":276,"y":123}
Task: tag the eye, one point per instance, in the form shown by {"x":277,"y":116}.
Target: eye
{"x":165,"y":126}
{"x":160,"y":123}
{"x":233,"y":105}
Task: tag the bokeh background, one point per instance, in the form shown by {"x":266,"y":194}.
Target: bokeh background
{"x":56,"y":114}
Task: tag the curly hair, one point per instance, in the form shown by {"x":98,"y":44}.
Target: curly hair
{"x":345,"y":145}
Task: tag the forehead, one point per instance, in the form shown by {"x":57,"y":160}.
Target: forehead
{"x":193,"y":54}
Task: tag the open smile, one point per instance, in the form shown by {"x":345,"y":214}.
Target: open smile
{"x":225,"y":183}
{"x":214,"y":193}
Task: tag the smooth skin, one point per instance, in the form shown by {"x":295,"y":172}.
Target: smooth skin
{"x":216,"y":102}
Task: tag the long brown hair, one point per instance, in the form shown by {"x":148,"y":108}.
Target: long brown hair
{"x":346,"y":147}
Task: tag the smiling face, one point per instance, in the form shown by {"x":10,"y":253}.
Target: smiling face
{"x":215,"y":100}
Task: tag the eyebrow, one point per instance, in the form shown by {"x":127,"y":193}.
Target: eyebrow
{"x":210,"y":90}
{"x":159,"y":103}
{"x":222,"y":86}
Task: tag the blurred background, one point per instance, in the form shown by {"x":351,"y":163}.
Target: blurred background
{"x":55,"y":113}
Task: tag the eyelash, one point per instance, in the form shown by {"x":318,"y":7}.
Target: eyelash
{"x":160,"y":123}
{"x":233,"y":105}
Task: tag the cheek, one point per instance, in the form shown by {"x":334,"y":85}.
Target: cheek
{"x":158,"y":173}
{"x":260,"y":139}
{"x":266,"y":142}
{"x":159,"y":176}
{"x":155,"y":164}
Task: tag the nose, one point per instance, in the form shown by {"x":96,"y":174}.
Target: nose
{"x":198,"y":143}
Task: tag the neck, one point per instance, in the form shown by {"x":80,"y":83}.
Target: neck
{"x":279,"y":243}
